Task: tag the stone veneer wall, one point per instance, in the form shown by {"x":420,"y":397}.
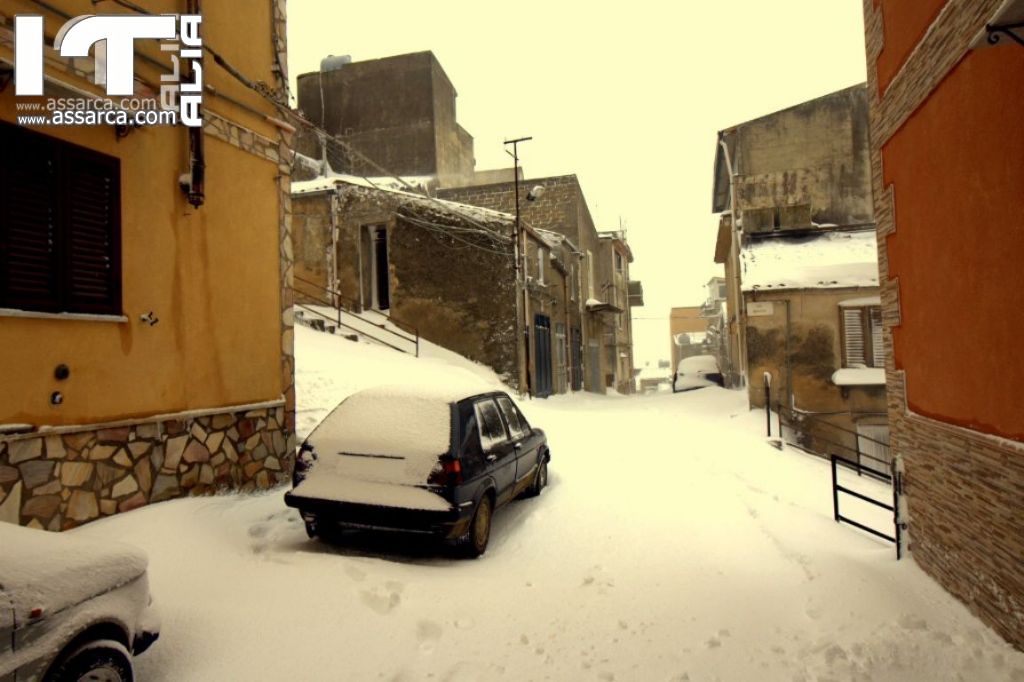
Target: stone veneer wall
{"x":962,"y":489}
{"x":64,"y":477}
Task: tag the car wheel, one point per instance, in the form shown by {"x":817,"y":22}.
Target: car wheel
{"x":103,"y":660}
{"x":540,"y":480}
{"x":475,"y":542}
{"x":311,"y":529}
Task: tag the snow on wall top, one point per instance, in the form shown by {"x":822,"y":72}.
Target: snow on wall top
{"x":824,"y":261}
{"x":53,"y":571}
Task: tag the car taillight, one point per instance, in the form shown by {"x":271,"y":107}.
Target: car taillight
{"x":447,"y":472}
{"x":304,"y":461}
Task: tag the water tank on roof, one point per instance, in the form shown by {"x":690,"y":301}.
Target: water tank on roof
{"x":334,"y":62}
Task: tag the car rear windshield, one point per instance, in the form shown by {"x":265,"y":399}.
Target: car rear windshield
{"x":386,"y":423}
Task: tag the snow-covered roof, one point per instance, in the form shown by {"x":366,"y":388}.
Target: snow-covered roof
{"x":390,"y":184}
{"x":859,"y":376}
{"x":821,"y":261}
{"x":393,"y":187}
{"x":554,"y":239}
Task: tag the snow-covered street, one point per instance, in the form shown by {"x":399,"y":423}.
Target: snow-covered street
{"x":671,"y":544}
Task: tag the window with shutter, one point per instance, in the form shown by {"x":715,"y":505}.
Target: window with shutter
{"x":60,"y":236}
{"x":862,"y":337}
{"x":877,"y":348}
{"x":853,"y":336}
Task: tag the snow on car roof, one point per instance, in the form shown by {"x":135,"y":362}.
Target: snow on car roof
{"x":52,"y":571}
{"x":399,"y":421}
{"x":696,"y":363}
{"x":823,"y":261}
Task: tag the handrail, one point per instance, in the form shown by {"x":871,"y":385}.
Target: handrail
{"x":321,"y":287}
{"x":817,"y":419}
{"x":342,"y":324}
{"x":415,"y":340}
{"x":355,"y":304}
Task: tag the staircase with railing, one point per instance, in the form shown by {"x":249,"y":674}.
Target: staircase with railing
{"x":330,"y":311}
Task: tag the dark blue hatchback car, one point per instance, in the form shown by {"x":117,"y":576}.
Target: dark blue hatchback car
{"x":434,"y":461}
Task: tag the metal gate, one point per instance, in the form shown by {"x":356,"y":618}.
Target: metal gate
{"x":542,"y":356}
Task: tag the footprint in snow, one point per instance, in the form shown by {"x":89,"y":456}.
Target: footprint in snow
{"x":383,"y":600}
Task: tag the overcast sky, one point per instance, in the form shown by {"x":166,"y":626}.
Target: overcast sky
{"x":629,"y":98}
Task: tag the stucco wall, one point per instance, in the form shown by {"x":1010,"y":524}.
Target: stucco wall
{"x":211,"y":276}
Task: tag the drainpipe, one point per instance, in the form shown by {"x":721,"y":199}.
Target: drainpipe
{"x":332,"y":264}
{"x":741,"y":334}
{"x":197,"y":156}
{"x":567,"y":341}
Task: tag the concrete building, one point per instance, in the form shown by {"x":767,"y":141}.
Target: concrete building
{"x":801,"y":268}
{"x":398,"y":112}
{"x":147,"y":332}
{"x":688,"y":329}
{"x":444,"y":271}
{"x":607,"y":293}
{"x":946,"y":150}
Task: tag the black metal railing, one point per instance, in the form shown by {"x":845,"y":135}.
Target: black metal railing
{"x":837,"y":488}
{"x":335,"y":304}
{"x":810,"y":429}
{"x":807,"y":426}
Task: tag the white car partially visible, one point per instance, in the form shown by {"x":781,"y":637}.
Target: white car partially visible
{"x":71,"y":608}
{"x":697,"y":371}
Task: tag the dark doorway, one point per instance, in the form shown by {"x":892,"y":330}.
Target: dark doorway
{"x":381,"y":278}
{"x":576,"y":367}
{"x":542,"y":356}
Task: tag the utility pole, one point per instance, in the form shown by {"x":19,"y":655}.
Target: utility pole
{"x":522,"y":293}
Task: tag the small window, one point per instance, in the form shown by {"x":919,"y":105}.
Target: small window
{"x":492,"y":430}
{"x":590,"y":275}
{"x":618,"y":262}
{"x":862,"y":336}
{"x":542,"y":256}
{"x":516,"y":424}
{"x":60,"y":237}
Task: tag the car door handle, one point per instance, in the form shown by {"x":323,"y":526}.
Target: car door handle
{"x":491,"y":457}
{"x":518,"y":446}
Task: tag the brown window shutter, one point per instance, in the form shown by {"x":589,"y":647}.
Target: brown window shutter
{"x":877,"y":347}
{"x":853,"y":336}
{"x":92,"y":232}
{"x":28,"y":222}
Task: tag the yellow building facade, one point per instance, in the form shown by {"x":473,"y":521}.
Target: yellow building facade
{"x":176,"y":376}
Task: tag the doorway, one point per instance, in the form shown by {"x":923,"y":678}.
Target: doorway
{"x":375,"y":246}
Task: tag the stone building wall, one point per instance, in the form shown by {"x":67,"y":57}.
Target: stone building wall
{"x":457,"y":290}
{"x":67,"y":476}
{"x":962,"y":488}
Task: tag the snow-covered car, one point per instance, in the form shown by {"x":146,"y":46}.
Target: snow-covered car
{"x":71,"y":608}
{"x":698,"y":371}
{"x":424,"y":461}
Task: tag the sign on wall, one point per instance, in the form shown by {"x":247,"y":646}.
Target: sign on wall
{"x":760,"y":309}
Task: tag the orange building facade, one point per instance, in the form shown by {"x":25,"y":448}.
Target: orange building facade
{"x":948,"y":172}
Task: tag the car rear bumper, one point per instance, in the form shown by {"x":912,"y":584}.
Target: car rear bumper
{"x":444,"y":524}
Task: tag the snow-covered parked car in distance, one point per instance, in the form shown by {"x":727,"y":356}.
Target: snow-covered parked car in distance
{"x":71,"y":608}
{"x":697,"y":371}
{"x":435,"y":461}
